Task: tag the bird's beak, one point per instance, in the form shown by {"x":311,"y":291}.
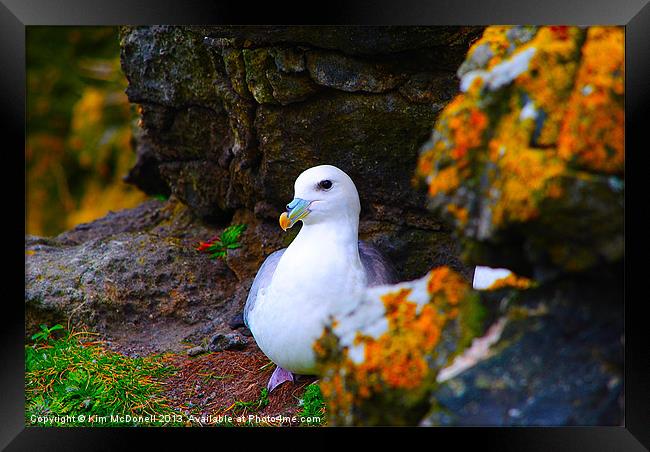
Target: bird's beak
{"x":296,"y":210}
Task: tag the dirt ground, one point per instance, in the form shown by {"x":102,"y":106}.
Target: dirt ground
{"x":230,"y":383}
{"x":225,"y":383}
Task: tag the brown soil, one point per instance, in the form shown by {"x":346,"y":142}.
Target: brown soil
{"x":216,"y":383}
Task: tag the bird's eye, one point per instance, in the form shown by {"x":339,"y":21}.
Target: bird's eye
{"x":325,"y":184}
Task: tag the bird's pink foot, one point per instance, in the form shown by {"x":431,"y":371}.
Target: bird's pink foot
{"x":278,"y":377}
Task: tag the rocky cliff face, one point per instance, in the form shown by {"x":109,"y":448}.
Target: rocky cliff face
{"x":229,"y":117}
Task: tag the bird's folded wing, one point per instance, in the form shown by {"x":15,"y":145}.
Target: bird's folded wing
{"x":262,"y":279}
{"x":379,"y":270}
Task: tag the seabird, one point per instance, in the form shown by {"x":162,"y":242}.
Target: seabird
{"x":323,"y":271}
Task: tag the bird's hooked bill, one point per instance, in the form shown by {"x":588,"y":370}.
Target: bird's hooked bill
{"x":296,"y":210}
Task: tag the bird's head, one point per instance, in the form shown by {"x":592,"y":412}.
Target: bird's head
{"x":323,"y":193}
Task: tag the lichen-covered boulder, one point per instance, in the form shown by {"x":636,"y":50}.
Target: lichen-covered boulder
{"x":380,"y":360}
{"x":527,"y":161}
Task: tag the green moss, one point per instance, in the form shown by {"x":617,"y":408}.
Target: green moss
{"x":262,"y":401}
{"x":472,"y":320}
{"x":257,"y":61}
{"x":236,"y":69}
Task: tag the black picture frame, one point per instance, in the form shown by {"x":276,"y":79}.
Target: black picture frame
{"x":15,"y":15}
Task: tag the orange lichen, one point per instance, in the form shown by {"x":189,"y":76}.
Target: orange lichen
{"x":445,"y":181}
{"x":334,"y":391}
{"x":466,"y":130}
{"x":319,"y":349}
{"x":474,"y":88}
{"x":521,"y":174}
{"x":512,"y":281}
{"x":464,"y":125}
{"x":592,"y":134}
{"x":446,"y":283}
{"x":496,"y":38}
{"x":397,"y":358}
{"x":400,"y":358}
{"x":550,"y":76}
{"x":528,"y":176}
{"x":460,"y":213}
{"x":513,"y":142}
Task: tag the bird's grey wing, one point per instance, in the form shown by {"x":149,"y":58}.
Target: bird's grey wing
{"x":378,"y":269}
{"x":262,"y":279}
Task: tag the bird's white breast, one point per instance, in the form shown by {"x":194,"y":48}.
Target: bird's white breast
{"x":317,"y":277}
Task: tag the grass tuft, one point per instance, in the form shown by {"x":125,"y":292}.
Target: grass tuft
{"x":313,"y":406}
{"x":262,"y":401}
{"x":74,"y":380}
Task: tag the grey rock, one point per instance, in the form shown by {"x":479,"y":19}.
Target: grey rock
{"x":430,"y":88}
{"x":352,"y":40}
{"x":232,"y":341}
{"x":290,"y":88}
{"x":133,"y":275}
{"x":335,"y":70}
{"x":560,"y":365}
{"x":167,"y":66}
{"x":194,"y":351}
{"x":289,"y":59}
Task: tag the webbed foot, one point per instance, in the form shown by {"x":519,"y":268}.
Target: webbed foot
{"x":278,"y":377}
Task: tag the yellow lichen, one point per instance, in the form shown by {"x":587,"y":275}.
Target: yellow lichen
{"x":527,"y":176}
{"x":496,"y":39}
{"x":446,"y":284}
{"x":514,"y":148}
{"x":550,"y":76}
{"x":593,"y":130}
{"x":400,"y":358}
{"x":397,"y":358}
{"x":512,"y":281}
